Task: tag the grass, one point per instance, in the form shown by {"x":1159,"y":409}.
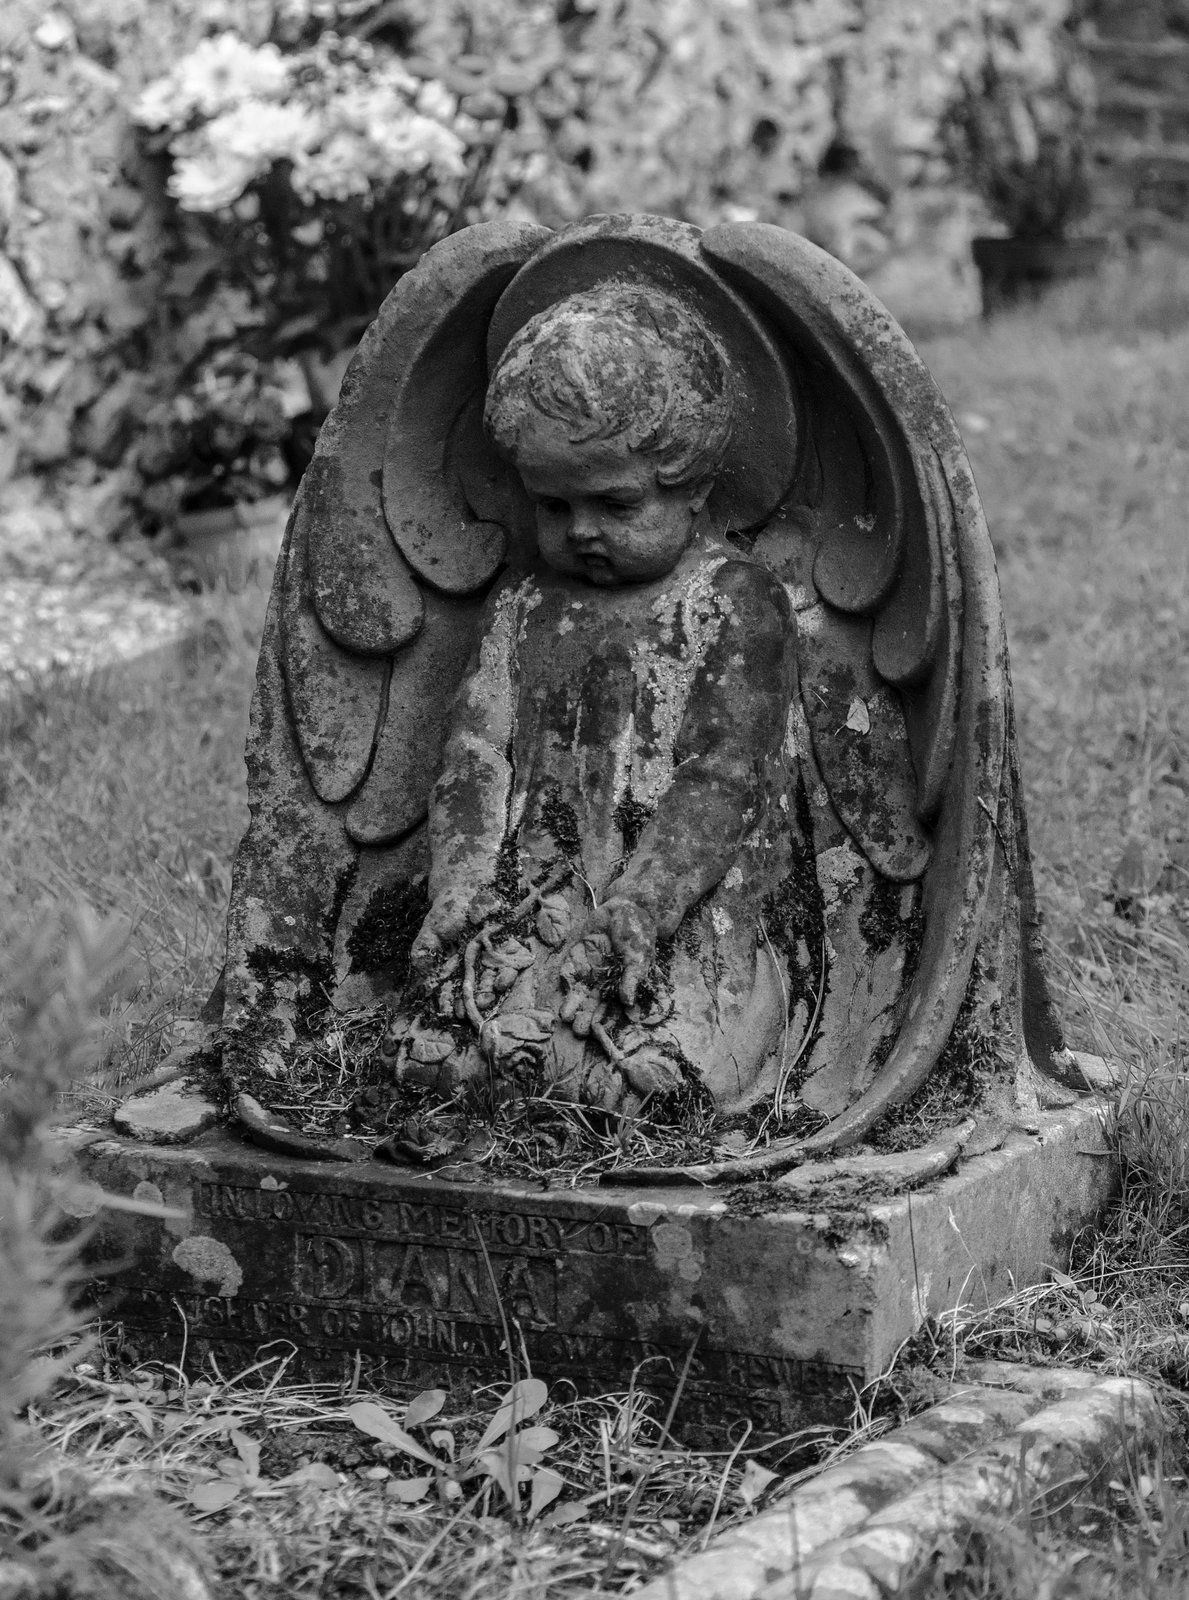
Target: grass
{"x":131,"y":796}
{"x":126,"y":793}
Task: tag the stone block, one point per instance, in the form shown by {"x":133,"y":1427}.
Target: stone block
{"x":411,"y":1276}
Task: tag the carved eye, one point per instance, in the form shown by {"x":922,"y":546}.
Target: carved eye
{"x":618,"y":508}
{"x":551,"y":506}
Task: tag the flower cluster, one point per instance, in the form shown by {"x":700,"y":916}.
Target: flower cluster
{"x":221,"y":439}
{"x":345,"y":120}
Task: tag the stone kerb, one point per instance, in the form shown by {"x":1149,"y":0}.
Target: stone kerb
{"x":1000,"y":1445}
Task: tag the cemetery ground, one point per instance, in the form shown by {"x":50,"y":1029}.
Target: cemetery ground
{"x":127,"y":794}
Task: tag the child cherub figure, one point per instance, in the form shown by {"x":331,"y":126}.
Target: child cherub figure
{"x":612,"y":806}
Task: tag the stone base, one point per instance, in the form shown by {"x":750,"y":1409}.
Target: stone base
{"x":403,"y":1276}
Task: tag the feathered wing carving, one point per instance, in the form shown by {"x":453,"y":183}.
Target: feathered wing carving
{"x":403,"y":516}
{"x":904,"y":679}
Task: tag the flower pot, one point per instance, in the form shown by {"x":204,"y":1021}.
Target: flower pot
{"x":1018,"y":271}
{"x":233,"y":546}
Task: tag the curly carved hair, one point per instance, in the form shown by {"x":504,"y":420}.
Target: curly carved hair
{"x":620,"y":361}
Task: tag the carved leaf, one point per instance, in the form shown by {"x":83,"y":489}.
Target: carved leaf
{"x":514,"y":1031}
{"x":553,"y":921}
{"x":430,"y":1048}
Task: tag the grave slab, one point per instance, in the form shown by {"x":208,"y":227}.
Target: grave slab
{"x":407,"y":1280}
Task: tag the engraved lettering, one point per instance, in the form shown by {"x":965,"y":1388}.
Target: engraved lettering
{"x":414,"y":1220}
{"x":514,"y":1230}
{"x":540,"y":1234}
{"x":325,"y":1267}
{"x":601,"y":1238}
{"x":416,"y":1285}
{"x":463,"y":1291}
{"x":453,"y":1225}
{"x":522,"y":1296}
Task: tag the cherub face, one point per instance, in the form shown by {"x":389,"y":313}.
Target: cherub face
{"x":601,"y":514}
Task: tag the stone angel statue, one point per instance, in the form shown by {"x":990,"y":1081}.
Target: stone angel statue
{"x":633,"y":715}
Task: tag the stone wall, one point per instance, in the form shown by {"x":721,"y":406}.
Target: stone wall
{"x":700,"y":108}
{"x":1141,"y":61}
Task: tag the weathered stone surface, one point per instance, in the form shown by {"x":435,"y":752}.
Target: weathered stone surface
{"x":788,"y":1308}
{"x":726,"y":809}
{"x":1076,"y":1445}
{"x":862,"y":1528}
{"x":171,"y":1114}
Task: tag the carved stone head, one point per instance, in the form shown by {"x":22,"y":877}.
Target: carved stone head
{"x":616,"y":407}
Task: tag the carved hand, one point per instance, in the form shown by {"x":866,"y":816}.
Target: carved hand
{"x":631,"y":932}
{"x":451,"y":914}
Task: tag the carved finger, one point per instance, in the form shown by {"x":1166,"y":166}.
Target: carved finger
{"x":584,"y":1017}
{"x":629,"y":984}
{"x":427,"y":948}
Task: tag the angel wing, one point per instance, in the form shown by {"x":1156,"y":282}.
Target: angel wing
{"x":403,"y":517}
{"x":904,"y":675}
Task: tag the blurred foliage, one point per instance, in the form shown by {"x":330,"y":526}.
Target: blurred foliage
{"x":1019,"y":128}
{"x":294,"y":156}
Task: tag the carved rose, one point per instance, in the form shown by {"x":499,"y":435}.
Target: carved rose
{"x":515,"y":1031}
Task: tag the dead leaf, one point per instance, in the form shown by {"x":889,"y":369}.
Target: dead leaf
{"x":858,"y":718}
{"x":754,"y":1482}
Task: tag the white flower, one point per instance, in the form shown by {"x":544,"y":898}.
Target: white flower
{"x":262,"y":132}
{"x":209,"y":182}
{"x":214,"y":165}
{"x":217,"y":74}
{"x":334,"y":172}
{"x":414,"y":144}
{"x":435,"y":100}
